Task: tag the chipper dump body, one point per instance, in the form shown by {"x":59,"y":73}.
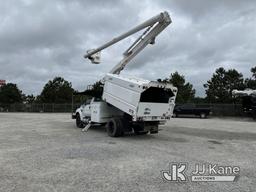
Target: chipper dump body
{"x":142,"y":99}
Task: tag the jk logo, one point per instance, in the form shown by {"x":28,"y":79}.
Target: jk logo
{"x":176,"y":172}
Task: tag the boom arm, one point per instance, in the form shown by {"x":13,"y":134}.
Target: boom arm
{"x":154,"y":26}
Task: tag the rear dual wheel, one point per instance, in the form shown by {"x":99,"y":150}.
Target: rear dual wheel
{"x":115,"y":127}
{"x":139,"y":130}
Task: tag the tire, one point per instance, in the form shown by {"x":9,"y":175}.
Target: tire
{"x":154,"y":132}
{"x":203,"y":115}
{"x":139,"y":130}
{"x":254,"y":115}
{"x":115,"y":127}
{"x":79,"y":123}
{"x":174,"y":115}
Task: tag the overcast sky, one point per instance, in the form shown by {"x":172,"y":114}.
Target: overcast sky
{"x":43,"y":39}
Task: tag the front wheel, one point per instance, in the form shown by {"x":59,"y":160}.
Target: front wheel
{"x":79,"y":123}
{"x":202,"y":115}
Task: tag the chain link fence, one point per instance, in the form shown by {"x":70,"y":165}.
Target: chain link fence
{"x":224,"y":109}
{"x":217,"y":109}
{"x":44,"y":107}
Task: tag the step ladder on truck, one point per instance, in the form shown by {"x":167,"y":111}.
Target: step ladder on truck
{"x":129,"y":103}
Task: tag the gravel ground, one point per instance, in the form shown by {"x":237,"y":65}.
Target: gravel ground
{"x":46,"y":152}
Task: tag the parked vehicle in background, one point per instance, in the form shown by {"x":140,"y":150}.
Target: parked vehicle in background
{"x":248,"y":100}
{"x":191,"y":109}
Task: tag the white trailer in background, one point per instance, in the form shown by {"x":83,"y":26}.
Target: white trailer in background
{"x":129,"y":103}
{"x":246,"y":92}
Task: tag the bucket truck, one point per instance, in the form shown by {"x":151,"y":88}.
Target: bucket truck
{"x":129,"y":104}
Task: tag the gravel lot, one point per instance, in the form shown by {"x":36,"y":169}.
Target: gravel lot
{"x":46,"y":152}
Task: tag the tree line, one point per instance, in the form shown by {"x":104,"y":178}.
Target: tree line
{"x":218,"y":89}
